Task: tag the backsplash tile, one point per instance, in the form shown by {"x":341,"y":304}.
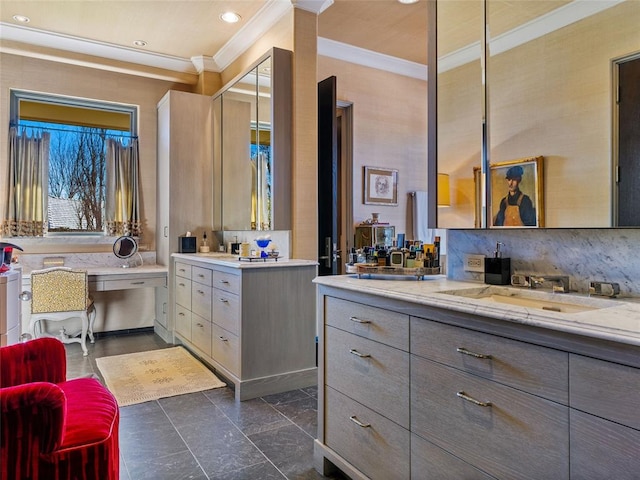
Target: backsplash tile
{"x":609,"y":255}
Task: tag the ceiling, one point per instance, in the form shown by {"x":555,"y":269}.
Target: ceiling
{"x":187,"y":36}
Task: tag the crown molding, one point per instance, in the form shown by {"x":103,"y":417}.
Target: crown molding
{"x":368,"y":58}
{"x":550,"y":22}
{"x":313,"y":6}
{"x":257,"y":26}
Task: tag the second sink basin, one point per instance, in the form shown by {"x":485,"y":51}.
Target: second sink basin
{"x":555,"y":302}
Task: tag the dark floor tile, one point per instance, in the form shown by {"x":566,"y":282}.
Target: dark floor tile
{"x":188,"y":409}
{"x":144,"y":408}
{"x":179,"y":466}
{"x":262,"y":471}
{"x":290,"y":450}
{"x":313,"y":391}
{"x":285,"y":397}
{"x":303,"y":412}
{"x":253,"y":416}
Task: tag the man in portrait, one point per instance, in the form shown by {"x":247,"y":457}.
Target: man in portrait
{"x":516,"y":208}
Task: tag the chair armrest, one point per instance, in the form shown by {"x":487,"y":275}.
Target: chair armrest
{"x":32,"y":423}
{"x":39,"y":360}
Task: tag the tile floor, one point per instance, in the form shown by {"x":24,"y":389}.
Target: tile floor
{"x":208,"y":435}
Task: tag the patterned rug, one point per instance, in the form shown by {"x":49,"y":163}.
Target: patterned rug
{"x":144,"y":376}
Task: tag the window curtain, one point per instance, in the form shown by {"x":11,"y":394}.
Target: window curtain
{"x":123,"y":190}
{"x":28,"y":188}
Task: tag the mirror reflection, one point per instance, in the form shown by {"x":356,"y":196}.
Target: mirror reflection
{"x":552,"y":70}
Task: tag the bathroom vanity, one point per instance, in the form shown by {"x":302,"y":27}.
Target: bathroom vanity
{"x":253,"y":322}
{"x":416,"y":383}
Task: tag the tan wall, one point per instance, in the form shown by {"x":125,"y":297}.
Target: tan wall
{"x":62,"y":79}
{"x":389,"y":131}
{"x":551,"y":97}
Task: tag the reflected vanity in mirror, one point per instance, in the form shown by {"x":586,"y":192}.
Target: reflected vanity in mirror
{"x":551,"y":72}
{"x":252,"y":147}
{"x":126,"y":247}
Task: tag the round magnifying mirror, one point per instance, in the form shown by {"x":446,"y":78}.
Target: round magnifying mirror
{"x":125,"y":247}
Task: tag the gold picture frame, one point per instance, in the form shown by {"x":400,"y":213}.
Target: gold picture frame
{"x":517,"y":193}
{"x":380,"y":186}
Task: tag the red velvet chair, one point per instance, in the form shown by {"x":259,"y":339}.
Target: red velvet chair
{"x":53,"y":429}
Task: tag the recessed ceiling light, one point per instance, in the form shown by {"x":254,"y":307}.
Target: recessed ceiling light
{"x":230,"y":17}
{"x":140,"y":43}
{"x":408,"y":2}
{"x":21,"y":19}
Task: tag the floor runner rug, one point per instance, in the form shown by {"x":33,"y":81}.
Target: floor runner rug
{"x":144,"y":376}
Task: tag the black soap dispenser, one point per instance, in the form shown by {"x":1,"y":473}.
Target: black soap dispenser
{"x":497,"y":270}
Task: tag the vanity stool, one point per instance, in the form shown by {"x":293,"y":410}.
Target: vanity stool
{"x":60,"y":293}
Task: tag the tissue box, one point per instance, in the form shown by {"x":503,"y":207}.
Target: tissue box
{"x":187,"y":244}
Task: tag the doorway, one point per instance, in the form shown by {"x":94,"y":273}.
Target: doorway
{"x":335,"y":179}
{"x":627,"y":141}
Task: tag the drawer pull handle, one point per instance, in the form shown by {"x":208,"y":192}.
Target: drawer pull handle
{"x":181,"y":284}
{"x":182,"y":270}
{"x":355,"y":420}
{"x":201,"y":275}
{"x":472,"y":354}
{"x":137,"y":283}
{"x":223,"y":339}
{"x":353,"y":351}
{"x":224,"y":300}
{"x":358,"y":320}
{"x":200,"y":325}
{"x":200,"y":292}
{"x":226,"y":282}
{"x":466,"y":397}
{"x":181,"y":314}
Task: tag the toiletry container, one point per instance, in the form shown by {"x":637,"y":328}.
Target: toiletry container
{"x":497,"y":270}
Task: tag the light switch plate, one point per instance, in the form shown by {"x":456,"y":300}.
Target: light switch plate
{"x":473,"y":263}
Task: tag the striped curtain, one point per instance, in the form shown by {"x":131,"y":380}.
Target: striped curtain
{"x":27,"y":192}
{"x":123,"y":188}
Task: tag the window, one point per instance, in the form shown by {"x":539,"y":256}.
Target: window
{"x":78,"y":130}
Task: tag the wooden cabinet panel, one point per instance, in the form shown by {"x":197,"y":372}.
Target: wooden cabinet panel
{"x":517,"y":436}
{"x":374,"y":374}
{"x":183,"y":322}
{"x":378,"y":447}
{"x":227,"y":281}
{"x":605,"y":389}
{"x":603,"y":450}
{"x":430,"y":462}
{"x":226,"y":349}
{"x":534,"y":369}
{"x":226,"y":310}
{"x":201,"y":275}
{"x":183,"y":270}
{"x":183,"y":292}
{"x":201,"y":300}
{"x":201,"y":333}
{"x":377,"y":324}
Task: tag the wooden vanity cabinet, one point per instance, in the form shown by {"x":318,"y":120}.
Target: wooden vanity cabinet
{"x":255,"y":326}
{"x":488,"y":399}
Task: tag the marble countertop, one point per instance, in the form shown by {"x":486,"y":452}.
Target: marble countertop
{"x":226,"y":260}
{"x":95,"y":270}
{"x":617,"y":319}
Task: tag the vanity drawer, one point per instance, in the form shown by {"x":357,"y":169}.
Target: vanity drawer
{"x":127,"y":284}
{"x":201,"y":300}
{"x":183,"y":321}
{"x":226,"y":310}
{"x":183,"y":270}
{"x":507,"y":438}
{"x":183,"y":292}
{"x":605,"y":389}
{"x":379,"y":448}
{"x":379,"y":379}
{"x":201,"y":275}
{"x":201,"y":334}
{"x":532,"y":368}
{"x":225,"y":349}
{"x":374,"y":323}
{"x":226,"y":281}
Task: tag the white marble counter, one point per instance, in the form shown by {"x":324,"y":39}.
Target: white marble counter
{"x":98,"y":271}
{"x":618,"y":321}
{"x":233,"y":261}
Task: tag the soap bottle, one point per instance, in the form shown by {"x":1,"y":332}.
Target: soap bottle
{"x":497,"y":269}
{"x":204,"y":248}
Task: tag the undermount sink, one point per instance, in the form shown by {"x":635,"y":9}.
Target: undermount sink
{"x":555,"y":302}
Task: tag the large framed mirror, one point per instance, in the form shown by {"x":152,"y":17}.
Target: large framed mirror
{"x":252,"y":153}
{"x":551,"y":90}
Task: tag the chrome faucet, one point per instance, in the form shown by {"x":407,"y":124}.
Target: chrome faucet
{"x":560,"y":283}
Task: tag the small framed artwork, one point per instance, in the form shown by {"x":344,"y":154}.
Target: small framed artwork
{"x":380,"y":186}
{"x":517,"y":193}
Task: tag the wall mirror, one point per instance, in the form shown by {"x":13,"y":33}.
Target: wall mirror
{"x":550,"y":79}
{"x":252,"y":147}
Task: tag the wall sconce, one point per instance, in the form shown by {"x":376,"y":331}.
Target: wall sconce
{"x":444,"y":197}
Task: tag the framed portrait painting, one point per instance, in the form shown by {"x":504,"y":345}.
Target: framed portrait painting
{"x":517,"y":193}
{"x":380,"y":186}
